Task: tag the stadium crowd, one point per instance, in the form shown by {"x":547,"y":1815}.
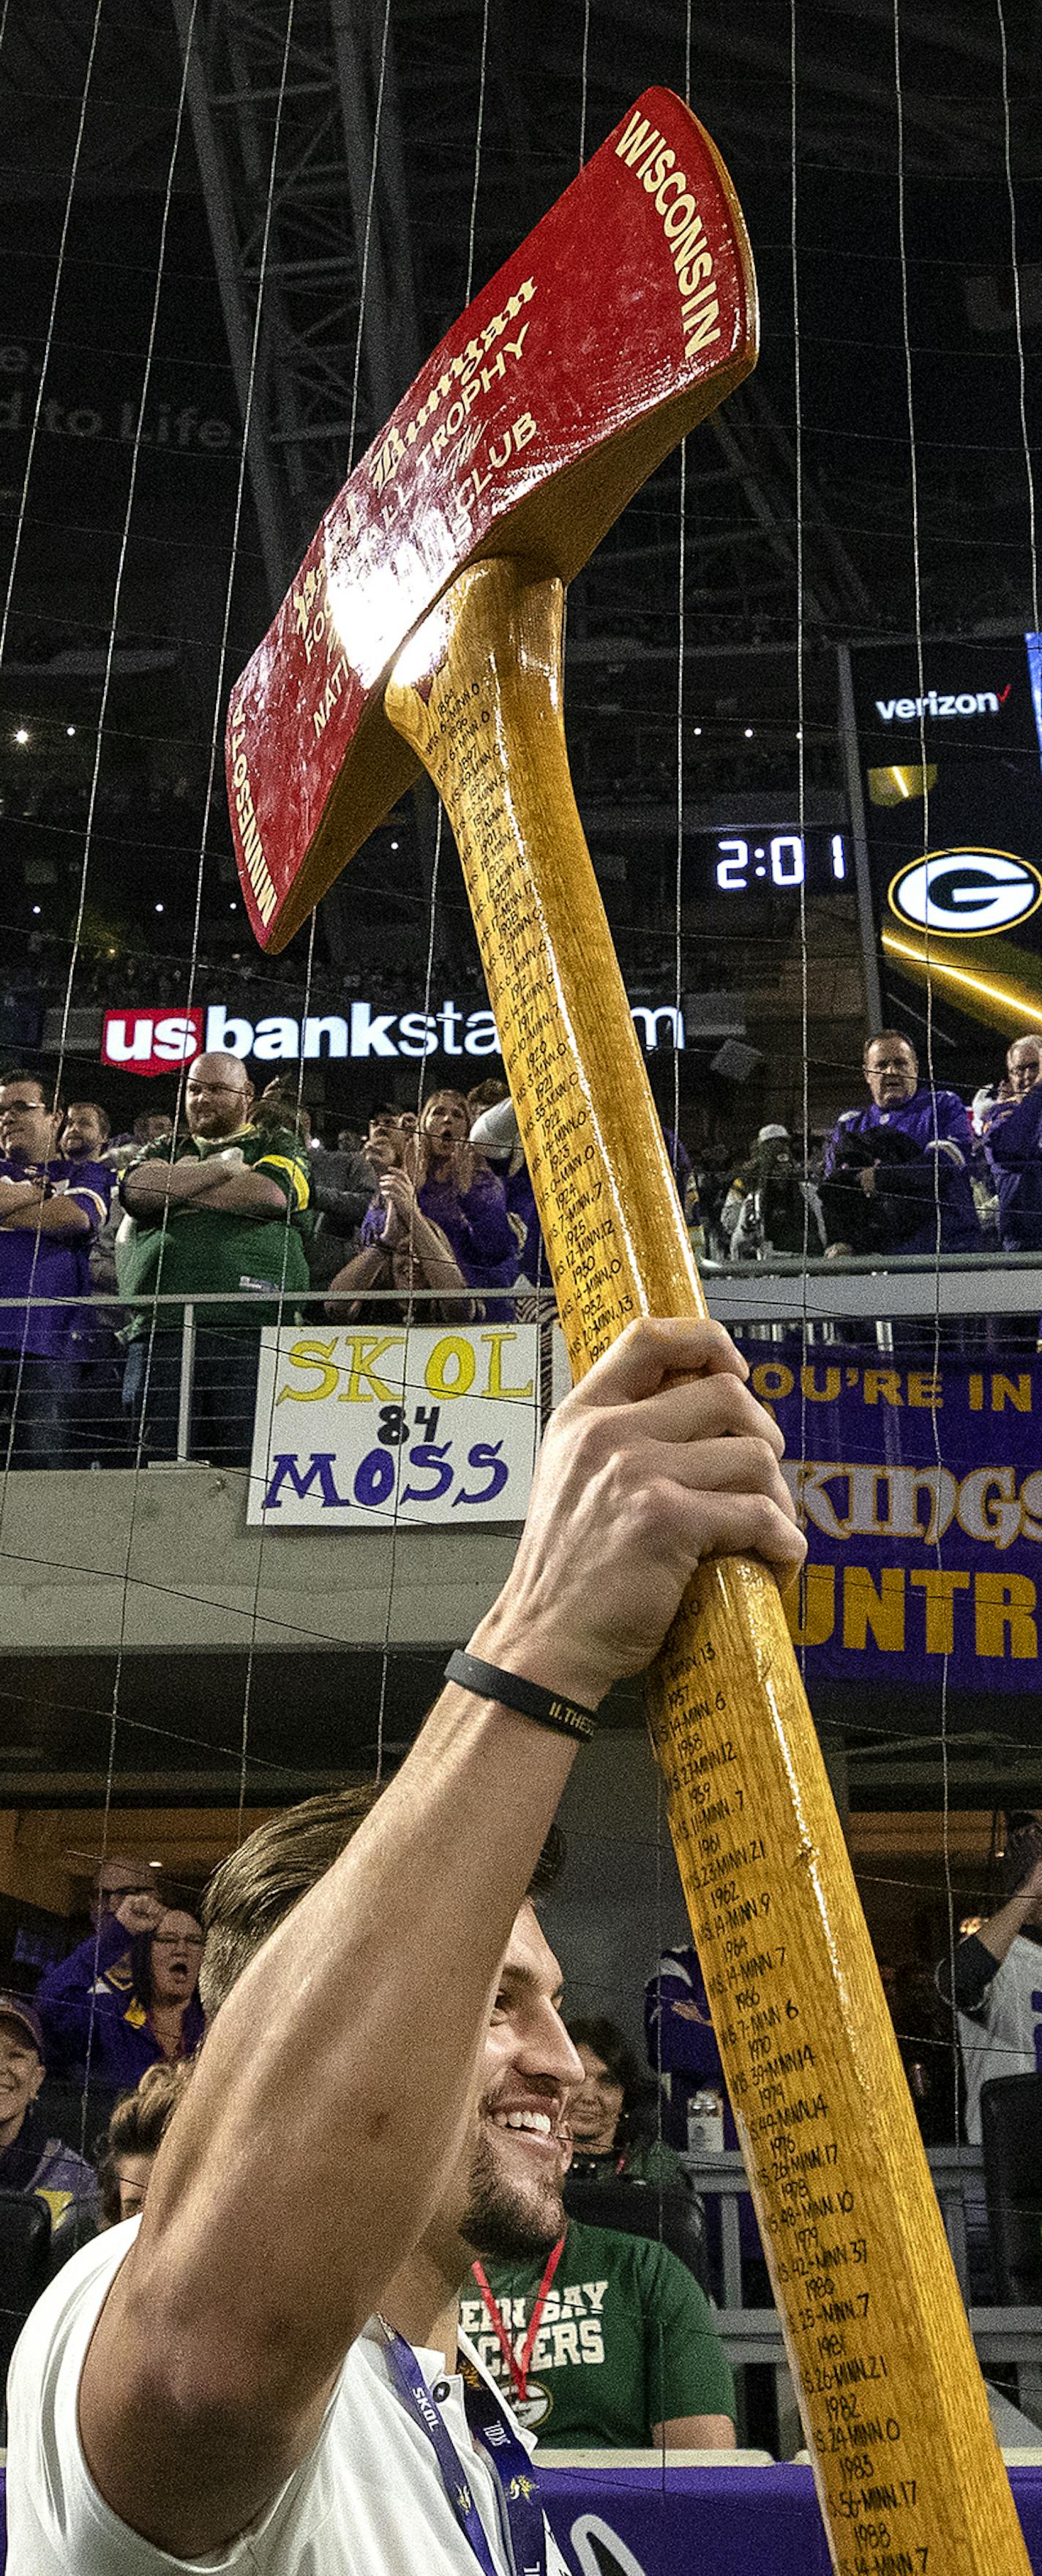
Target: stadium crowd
{"x":247,"y":1202}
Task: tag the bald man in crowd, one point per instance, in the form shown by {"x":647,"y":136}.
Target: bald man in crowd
{"x":217,"y":1207}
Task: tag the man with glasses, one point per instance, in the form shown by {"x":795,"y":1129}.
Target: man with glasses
{"x":1013,"y":1141}
{"x":897,"y":1171}
{"x":221,"y":1207}
{"x":119,"y":1874}
{"x":50,"y":1211}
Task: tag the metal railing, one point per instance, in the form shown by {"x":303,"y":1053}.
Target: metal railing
{"x":1003,"y":2336}
{"x":964,"y":1298}
{"x":100,"y":1339}
{"x":790,"y":1293}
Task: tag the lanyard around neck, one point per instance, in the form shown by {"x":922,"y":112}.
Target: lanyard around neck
{"x":508,"y":2458}
{"x":518,"y":2364}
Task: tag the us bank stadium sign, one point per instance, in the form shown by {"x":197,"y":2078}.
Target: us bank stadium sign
{"x":152,"y":1040}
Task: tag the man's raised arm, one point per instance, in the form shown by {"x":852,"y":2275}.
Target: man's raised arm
{"x":330,"y":2101}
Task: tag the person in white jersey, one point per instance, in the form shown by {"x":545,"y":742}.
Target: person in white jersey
{"x":995,"y":1979}
{"x":265,"y":2372}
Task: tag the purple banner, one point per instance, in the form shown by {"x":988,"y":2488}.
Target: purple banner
{"x":921,"y":1492}
{"x":727,"y":2521}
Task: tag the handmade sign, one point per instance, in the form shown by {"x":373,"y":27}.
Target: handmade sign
{"x":368,"y":1428}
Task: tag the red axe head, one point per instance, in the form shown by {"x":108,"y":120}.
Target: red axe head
{"x":628,"y":314}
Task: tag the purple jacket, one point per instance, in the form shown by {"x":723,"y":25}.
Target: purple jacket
{"x":89,"y":1999}
{"x":1013,"y":1144}
{"x":476,"y":1222}
{"x":37,"y":2162}
{"x":944,"y":1138}
{"x":533,"y":1257}
{"x":52,"y":1265}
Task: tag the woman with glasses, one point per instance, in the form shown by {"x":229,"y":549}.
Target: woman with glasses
{"x":127,"y":1998}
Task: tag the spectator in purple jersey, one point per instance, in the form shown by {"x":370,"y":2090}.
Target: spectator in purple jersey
{"x":459,"y":1194}
{"x":1013,"y":1144}
{"x":156,"y":2016}
{"x":934,"y":1177}
{"x":101,"y":1437}
{"x":50,"y":1211}
{"x":31,"y":2160}
{"x":495,"y":1134}
{"x":683,"y":2053}
{"x":402,"y":1250}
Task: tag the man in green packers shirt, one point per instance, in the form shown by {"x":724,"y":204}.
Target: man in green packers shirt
{"x":606,"y":2344}
{"x":221,"y":1208}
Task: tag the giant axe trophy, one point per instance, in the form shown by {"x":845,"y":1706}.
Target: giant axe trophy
{"x":425,"y":624}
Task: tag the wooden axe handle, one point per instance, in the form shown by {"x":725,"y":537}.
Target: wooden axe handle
{"x":893,"y":2405}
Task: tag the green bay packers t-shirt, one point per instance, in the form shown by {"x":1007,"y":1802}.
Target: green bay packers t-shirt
{"x":199,"y":1249}
{"x":625,"y":2340}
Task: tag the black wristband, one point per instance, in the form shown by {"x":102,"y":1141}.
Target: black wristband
{"x":526,"y":1699}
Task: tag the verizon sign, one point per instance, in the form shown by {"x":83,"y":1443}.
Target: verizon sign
{"x":158,"y":1040}
{"x":943,"y":702}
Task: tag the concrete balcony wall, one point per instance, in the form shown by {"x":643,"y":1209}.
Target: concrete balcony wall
{"x":92,"y":1562}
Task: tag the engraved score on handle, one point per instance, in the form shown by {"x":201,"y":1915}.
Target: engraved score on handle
{"x":891,"y":2396}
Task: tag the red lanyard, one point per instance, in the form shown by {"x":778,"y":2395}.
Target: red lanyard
{"x":519,"y":2369}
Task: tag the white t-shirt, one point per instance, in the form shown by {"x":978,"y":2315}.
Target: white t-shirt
{"x":368,"y":2501}
{"x":1004,"y":2035}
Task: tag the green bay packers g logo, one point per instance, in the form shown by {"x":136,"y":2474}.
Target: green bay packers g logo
{"x":966,"y":893}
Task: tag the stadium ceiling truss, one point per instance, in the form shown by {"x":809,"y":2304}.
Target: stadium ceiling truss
{"x":413,"y":144}
{"x":356,"y":71}
{"x":305,"y":238}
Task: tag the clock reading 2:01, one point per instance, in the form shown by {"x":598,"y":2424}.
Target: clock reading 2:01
{"x":778,"y":861}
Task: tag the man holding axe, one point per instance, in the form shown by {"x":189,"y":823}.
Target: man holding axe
{"x":425,"y":625}
{"x":271,"y":2370}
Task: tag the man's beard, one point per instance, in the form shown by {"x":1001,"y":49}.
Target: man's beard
{"x":505,"y":2222}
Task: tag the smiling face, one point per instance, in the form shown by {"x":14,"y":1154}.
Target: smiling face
{"x":21,"y":2075}
{"x":504,"y":2199}
{"x":597,"y":2106}
{"x":177,"y":1949}
{"x":891,"y":1071}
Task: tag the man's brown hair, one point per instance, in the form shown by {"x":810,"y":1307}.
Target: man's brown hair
{"x":257,"y":1886}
